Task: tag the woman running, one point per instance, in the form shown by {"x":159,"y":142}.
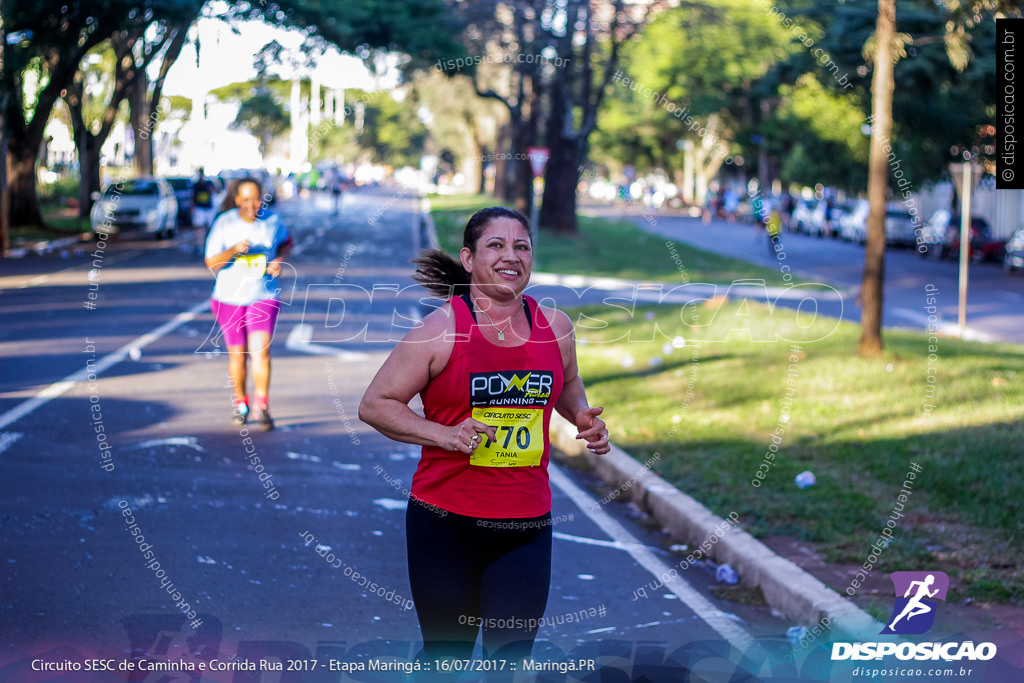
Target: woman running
{"x":490,"y":366}
{"x":246,"y":247}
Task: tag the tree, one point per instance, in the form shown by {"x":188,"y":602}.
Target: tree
{"x":884,"y":47}
{"x":497,"y":38}
{"x":392,"y":131}
{"x":262,"y":116}
{"x":588,"y":39}
{"x":817,"y":134}
{"x":872,"y":285}
{"x":697,"y":76}
{"x":55,"y":39}
{"x":459,"y":121}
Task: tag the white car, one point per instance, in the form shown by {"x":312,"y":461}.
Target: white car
{"x":900,"y":226}
{"x":853,"y":225}
{"x":144,"y":203}
{"x":809,"y":217}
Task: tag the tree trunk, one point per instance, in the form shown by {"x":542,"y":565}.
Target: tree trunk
{"x":872,"y":287}
{"x":22,"y":183}
{"x":89,"y":157}
{"x":558,"y":211}
{"x":521,"y":169}
{"x":5,"y":209}
{"x":142,"y":125}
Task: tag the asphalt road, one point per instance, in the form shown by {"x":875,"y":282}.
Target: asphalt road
{"x":120,"y":402}
{"x":995,"y":300}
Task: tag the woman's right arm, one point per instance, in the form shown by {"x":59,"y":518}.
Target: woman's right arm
{"x":218,"y":261}
{"x":412,"y":364}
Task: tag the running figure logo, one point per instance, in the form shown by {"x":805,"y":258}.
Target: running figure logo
{"x":914,"y":613}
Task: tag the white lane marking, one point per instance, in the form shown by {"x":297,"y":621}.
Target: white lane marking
{"x":63,"y":386}
{"x":299,"y":340}
{"x":302,"y":456}
{"x":718,"y":620}
{"x":391,"y":503}
{"x":596,"y":541}
{"x":8,"y":439}
{"x":186,"y":441}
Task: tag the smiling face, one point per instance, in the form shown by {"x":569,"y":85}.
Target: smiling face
{"x":502,"y":258}
{"x":247,"y":199}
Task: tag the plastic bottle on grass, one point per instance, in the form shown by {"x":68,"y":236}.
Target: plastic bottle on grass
{"x":804,"y":479}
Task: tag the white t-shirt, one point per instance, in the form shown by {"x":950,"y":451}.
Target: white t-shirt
{"x":244,"y":280}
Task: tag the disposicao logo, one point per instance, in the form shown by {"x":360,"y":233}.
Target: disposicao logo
{"x":916,"y":596}
{"x":913,"y":614}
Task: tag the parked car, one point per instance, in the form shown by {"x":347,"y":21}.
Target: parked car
{"x":809,"y":217}
{"x":933,"y":234}
{"x":983,"y":247}
{"x":147,"y":203}
{"x":900,"y":226}
{"x":853,"y":223}
{"x":182,"y":187}
{"x":1013,"y":254}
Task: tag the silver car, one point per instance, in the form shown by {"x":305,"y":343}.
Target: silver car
{"x":145,"y":203}
{"x":1013,"y":257}
{"x":900,"y":226}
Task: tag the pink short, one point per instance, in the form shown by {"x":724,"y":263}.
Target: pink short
{"x":238,"y":322}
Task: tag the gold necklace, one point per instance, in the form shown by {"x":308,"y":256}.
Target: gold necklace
{"x":501,"y":332}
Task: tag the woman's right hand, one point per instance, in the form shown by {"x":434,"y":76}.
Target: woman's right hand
{"x":466,"y":436}
{"x":242,"y":247}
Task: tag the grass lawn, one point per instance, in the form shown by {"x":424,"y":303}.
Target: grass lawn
{"x":58,"y":225}
{"x":712,"y":406}
{"x":605,"y":248}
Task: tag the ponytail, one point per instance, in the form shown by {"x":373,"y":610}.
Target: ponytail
{"x":444,"y":276}
{"x":440,"y":274}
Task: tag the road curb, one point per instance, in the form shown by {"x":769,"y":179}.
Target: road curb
{"x":789,"y":589}
{"x":428,"y":233}
{"x":41,"y":247}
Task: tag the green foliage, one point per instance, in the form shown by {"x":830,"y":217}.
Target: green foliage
{"x":829,"y":147}
{"x":710,"y":59}
{"x":263,"y":117}
{"x":392,"y":132}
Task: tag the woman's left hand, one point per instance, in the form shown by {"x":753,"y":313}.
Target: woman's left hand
{"x":593,"y":430}
{"x":274,"y":268}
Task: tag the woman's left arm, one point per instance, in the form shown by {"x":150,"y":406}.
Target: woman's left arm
{"x":572,"y":403}
{"x":283,"y":250}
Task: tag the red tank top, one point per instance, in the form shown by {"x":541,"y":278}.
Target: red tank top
{"x":512,"y":388}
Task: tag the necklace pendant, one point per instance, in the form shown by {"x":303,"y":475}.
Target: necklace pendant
{"x":501,"y":335}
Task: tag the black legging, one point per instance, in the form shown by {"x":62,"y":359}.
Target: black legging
{"x":466,"y":572}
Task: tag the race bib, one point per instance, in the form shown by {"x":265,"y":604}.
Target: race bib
{"x":520,"y":441}
{"x":513,"y":403}
{"x":255,"y":264}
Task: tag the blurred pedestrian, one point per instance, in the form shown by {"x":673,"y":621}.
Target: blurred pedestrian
{"x":246,"y":247}
{"x":788,"y":206}
{"x":202,"y":208}
{"x":338,"y":183}
{"x":490,"y":366}
{"x":731,"y":204}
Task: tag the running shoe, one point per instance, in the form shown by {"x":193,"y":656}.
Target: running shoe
{"x":240,"y":414}
{"x":262,"y":415}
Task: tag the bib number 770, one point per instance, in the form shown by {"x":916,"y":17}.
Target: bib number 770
{"x":522,"y":434}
